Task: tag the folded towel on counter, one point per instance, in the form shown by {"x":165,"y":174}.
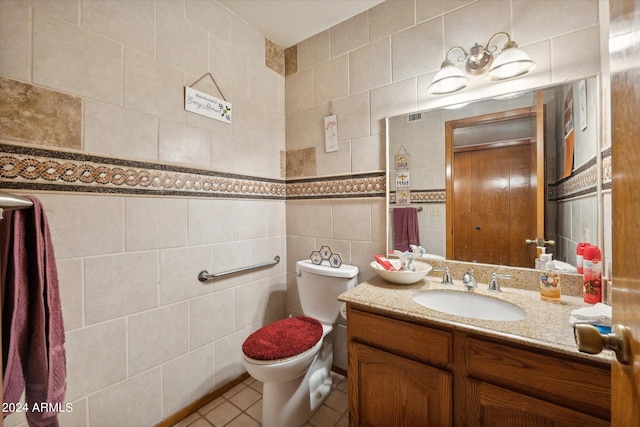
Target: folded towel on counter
{"x":598,"y":314}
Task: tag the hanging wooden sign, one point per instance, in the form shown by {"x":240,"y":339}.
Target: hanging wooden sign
{"x":206,"y":105}
{"x":402,"y":159}
{"x":403,"y":197}
{"x":403,"y":179}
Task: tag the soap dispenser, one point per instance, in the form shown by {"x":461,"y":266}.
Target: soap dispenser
{"x":549,"y":279}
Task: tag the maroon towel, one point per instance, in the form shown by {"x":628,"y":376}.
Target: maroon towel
{"x":32,"y":326}
{"x":405,"y":228}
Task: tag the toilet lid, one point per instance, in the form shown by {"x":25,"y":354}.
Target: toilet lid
{"x":284,"y":338}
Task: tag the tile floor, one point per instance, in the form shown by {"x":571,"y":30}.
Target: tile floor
{"x":242,"y":407}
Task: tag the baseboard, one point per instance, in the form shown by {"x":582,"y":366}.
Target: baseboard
{"x":191,"y":408}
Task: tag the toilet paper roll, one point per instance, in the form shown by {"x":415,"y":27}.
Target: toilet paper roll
{"x":343,"y":310}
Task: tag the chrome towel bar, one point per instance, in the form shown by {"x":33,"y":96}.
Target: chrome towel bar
{"x":204,"y":275}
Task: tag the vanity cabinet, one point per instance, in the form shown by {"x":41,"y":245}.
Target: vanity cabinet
{"x":403,"y":373}
{"x":397,"y":373}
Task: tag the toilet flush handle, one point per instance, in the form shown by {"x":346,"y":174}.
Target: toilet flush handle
{"x":298,"y":273}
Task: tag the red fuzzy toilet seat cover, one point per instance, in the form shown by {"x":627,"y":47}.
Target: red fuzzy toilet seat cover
{"x":284,"y":338}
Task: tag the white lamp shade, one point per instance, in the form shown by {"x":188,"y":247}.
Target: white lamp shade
{"x":511,"y":62}
{"x":449,"y":79}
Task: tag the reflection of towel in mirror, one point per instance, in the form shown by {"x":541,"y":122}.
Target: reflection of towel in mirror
{"x":405,"y":228}
{"x":32,"y":326}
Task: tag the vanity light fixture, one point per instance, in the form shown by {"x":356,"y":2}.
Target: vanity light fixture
{"x":510,"y":62}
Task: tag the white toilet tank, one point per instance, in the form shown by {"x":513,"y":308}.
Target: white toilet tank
{"x":319,"y":287}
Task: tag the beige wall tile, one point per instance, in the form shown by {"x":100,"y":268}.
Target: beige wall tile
{"x":157,"y":336}
{"x":248,"y":220}
{"x":70,"y":279}
{"x":331,"y":80}
{"x":211,"y":317}
{"x":131,"y":23}
{"x":335,"y":162}
{"x":353,"y":116}
{"x":14,"y":40}
{"x":179,"y":143}
{"x":389,"y":17}
{"x":153,"y":88}
{"x":153,"y":223}
{"x":118,"y":285}
{"x":368,"y":154}
{"x":136,"y":401}
{"x":118,"y":132}
{"x":462,"y":29}
{"x":83,"y":225}
{"x":179,"y":268}
{"x":77,"y":417}
{"x":247,"y":40}
{"x":391,"y":100}
{"x":96,"y":358}
{"x":73,"y":60}
{"x":314,"y":50}
{"x":428,"y":9}
{"x":206,"y":218}
{"x":305,"y":128}
{"x":576,"y":54}
{"x":370,"y":66}
{"x":263,"y":250}
{"x":299,"y":93}
{"x":186,"y":379}
{"x":229,"y":68}
{"x":65,"y":9}
{"x":536,"y":20}
{"x":228,"y":356}
{"x":211,"y":16}
{"x":180,"y":43}
{"x":250,"y":302}
{"x":315,"y":219}
{"x":263,"y":86}
{"x":352,"y":220}
{"x":350,"y":34}
{"x":417,"y":50}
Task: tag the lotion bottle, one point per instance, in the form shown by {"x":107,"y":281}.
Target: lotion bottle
{"x":549,"y":280}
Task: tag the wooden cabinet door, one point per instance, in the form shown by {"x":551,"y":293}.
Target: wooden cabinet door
{"x":386,"y":390}
{"x":488,"y":405}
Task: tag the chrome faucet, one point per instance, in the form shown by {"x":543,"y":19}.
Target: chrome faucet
{"x":446,"y":277}
{"x":494,"y":286}
{"x":468,"y":280}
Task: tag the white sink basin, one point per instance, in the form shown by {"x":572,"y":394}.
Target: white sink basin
{"x":468,"y":304}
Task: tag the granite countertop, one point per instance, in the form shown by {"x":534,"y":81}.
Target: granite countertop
{"x":546,"y":325}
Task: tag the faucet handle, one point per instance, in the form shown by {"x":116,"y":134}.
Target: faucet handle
{"x":446,"y":277}
{"x":494,"y":286}
{"x":468,"y":280}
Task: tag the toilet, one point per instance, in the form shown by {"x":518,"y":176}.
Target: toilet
{"x":293,"y":357}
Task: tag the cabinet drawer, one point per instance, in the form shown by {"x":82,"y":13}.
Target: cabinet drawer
{"x":419,"y":342}
{"x":565,"y":381}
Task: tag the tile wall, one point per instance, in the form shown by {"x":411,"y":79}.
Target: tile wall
{"x":379,"y":63}
{"x":144,"y":338}
{"x":141,"y":195}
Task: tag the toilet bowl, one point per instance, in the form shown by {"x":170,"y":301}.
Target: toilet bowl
{"x":293,"y":357}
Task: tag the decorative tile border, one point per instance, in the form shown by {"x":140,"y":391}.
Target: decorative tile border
{"x":29,"y":168}
{"x":423,"y":196}
{"x":345,"y":186}
{"x":41,"y":169}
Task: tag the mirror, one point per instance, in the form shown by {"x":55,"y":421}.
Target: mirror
{"x":418,"y":168}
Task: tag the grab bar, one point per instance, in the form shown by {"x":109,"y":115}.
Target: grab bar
{"x":204,"y":275}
